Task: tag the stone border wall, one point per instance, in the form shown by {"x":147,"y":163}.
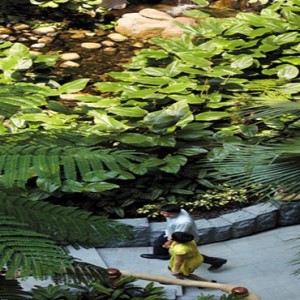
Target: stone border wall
{"x":247,"y":221}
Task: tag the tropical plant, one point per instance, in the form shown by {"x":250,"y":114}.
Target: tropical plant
{"x":32,"y":233}
{"x":107,"y":289}
{"x":79,"y":6}
{"x":273,"y":162}
{"x":157,"y":120}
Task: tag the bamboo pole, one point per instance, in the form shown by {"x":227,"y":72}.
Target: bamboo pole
{"x":227,"y":288}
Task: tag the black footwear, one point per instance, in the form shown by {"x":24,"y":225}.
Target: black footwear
{"x":217,"y":266}
{"x":155,"y":256}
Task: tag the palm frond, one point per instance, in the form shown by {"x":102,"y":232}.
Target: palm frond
{"x":276,"y":166}
{"x":66,"y":224}
{"x":275,"y":108}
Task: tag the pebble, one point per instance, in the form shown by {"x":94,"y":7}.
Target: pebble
{"x":43,"y":30}
{"x":117,"y":37}
{"x":91,"y":45}
{"x":20,"y":27}
{"x":107,"y":43}
{"x":138,"y":45}
{"x":69,"y":64}
{"x":70,"y":56}
{"x":110,"y":51}
{"x":46,"y":40}
{"x":78,"y":36}
{"x":4,"y":30}
{"x":38,"y":45}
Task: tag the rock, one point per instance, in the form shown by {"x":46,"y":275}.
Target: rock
{"x":4,"y":36}
{"x":116,"y":37}
{"x":32,"y":38}
{"x":70,"y":56}
{"x":4,"y":30}
{"x":150,"y":23}
{"x":43,"y":30}
{"x":69,"y":64}
{"x":78,"y":36}
{"x":22,"y":40}
{"x":91,"y":45}
{"x":155,"y":14}
{"x":38,"y":45}
{"x":139,"y":45}
{"x":20,"y":27}
{"x":110,"y":51}
{"x":100,"y":32}
{"x":107,"y":43}
{"x":12,"y":38}
{"x":36,"y":53}
{"x":137,"y":26}
{"x":46,"y":40}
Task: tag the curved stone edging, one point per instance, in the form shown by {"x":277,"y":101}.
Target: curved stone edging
{"x":247,"y":221}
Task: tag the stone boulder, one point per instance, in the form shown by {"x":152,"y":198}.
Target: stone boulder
{"x":149,"y":23}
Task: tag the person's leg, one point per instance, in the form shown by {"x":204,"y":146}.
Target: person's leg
{"x":215,"y":262}
{"x":158,"y":248}
{"x":158,"y":251}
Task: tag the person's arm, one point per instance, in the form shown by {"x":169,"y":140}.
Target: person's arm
{"x":167,"y":244}
{"x":179,"y":259}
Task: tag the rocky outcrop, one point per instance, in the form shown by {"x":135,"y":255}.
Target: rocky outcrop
{"x":149,"y":23}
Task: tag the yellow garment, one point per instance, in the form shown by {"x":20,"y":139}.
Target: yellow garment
{"x":192,"y":257}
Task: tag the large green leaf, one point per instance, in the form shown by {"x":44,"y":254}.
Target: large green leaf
{"x":133,"y":112}
{"x":211,"y":116}
{"x":73,"y":86}
{"x":173,"y":163}
{"x":243,"y":62}
{"x":288,"y":72}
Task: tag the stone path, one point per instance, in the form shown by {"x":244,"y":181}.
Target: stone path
{"x":260,"y":262}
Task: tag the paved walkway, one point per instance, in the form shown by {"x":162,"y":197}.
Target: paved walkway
{"x":260,"y":262}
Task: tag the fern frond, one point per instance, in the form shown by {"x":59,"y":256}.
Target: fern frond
{"x":20,"y":163}
{"x":81,"y":273}
{"x":12,"y":290}
{"x":30,"y":252}
{"x":68,"y":224}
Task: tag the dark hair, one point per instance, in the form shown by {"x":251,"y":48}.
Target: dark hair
{"x":182,"y":237}
{"x":170,"y":208}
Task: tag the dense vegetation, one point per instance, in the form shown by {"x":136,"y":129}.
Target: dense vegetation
{"x":185,"y":115}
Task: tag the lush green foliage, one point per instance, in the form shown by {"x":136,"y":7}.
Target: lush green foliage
{"x":106,"y":290}
{"x":79,"y":6}
{"x":221,"y":196}
{"x":156,"y":121}
{"x":160,"y":121}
